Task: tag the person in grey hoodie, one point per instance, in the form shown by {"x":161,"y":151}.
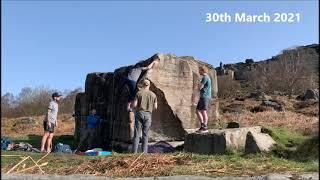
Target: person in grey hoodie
{"x":50,"y":122}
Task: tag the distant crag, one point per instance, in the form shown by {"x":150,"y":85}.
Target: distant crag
{"x":297,"y":69}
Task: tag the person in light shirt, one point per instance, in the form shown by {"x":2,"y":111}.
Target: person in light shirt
{"x":50,"y":122}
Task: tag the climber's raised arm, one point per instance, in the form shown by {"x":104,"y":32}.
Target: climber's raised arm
{"x":150,"y":65}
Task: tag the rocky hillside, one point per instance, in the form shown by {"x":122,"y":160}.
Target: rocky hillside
{"x":292,"y":71}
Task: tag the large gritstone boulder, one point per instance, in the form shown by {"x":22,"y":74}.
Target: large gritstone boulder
{"x":174,"y":81}
{"x":217,"y":141}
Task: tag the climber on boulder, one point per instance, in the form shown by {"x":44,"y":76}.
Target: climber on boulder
{"x":131,"y":81}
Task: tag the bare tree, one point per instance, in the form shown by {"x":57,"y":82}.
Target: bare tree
{"x":34,"y":101}
{"x":287,"y":74}
{"x":7,"y":103}
{"x":228,"y":87}
{"x":67,"y":103}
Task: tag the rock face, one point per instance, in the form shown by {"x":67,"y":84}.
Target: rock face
{"x":208,"y":143}
{"x":293,"y":71}
{"x":173,"y":80}
{"x":309,"y":94}
{"x":242,"y":70}
{"x":217,"y":141}
{"x":258,"y":142}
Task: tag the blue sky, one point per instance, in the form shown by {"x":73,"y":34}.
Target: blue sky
{"x":56,"y":43}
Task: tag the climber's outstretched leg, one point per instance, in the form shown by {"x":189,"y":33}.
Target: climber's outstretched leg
{"x":131,"y":87}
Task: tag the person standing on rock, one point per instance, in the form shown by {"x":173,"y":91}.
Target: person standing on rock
{"x":131,"y":81}
{"x":205,"y":96}
{"x":50,"y":122}
{"x":145,"y":102}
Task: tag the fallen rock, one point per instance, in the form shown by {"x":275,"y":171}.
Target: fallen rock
{"x":233,"y":124}
{"x":240,"y":99}
{"x":260,"y":108}
{"x":274,"y":104}
{"x":309,"y":94}
{"x":236,"y":138}
{"x":257,"y":142}
{"x":259,"y":95}
{"x":174,"y":80}
{"x":217,"y":141}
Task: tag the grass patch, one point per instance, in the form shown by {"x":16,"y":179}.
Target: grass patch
{"x":308,"y":150}
{"x":180,"y":163}
{"x":35,"y":140}
{"x":294,"y":145}
{"x":312,"y":166}
{"x":286,"y":137}
{"x":55,"y":161}
{"x":232,"y":163}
